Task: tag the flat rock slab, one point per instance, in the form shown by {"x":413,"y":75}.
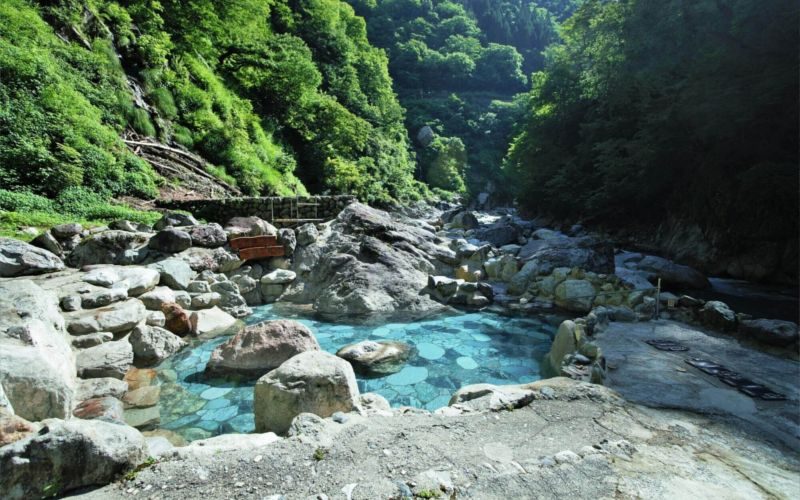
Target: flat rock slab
{"x":552,"y":449}
{"x":662,"y":379}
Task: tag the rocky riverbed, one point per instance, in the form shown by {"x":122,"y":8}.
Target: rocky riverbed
{"x":86,"y":315}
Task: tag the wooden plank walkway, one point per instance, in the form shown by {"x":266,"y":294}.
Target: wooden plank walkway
{"x":257,"y":247}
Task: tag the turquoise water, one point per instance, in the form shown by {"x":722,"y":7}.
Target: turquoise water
{"x":451,"y":352}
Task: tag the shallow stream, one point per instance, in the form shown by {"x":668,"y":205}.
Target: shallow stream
{"x":450,"y":352}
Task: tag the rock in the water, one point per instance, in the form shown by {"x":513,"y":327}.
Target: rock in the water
{"x":376,"y":358}
{"x":143,"y":397}
{"x":311,"y":382}
{"x":567,"y":340}
{"x":37,"y":366}
{"x":65,"y":455}
{"x":152,"y":344}
{"x":106,"y":408}
{"x":119,"y":317}
{"x":249,"y":226}
{"x":366,"y":262}
{"x":770,"y":331}
{"x":174,"y":219}
{"x":575,"y":295}
{"x":175,"y":273}
{"x":262,"y":347}
{"x":208,"y":235}
{"x":18,"y":258}
{"x":673,"y":274}
{"x":111,"y":359}
{"x":211,"y":322}
{"x":110,"y":247}
{"x":718,"y":315}
{"x":170,"y":240}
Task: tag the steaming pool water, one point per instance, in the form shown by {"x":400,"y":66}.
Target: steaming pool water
{"x":450,"y":352}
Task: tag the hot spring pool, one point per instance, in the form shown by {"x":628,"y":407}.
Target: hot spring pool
{"x":451,"y":352}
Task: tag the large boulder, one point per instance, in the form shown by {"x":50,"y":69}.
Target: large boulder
{"x":367,"y":262}
{"x":262,"y":347}
{"x":208,"y":235}
{"x":575,"y":295}
{"x":464,"y":220}
{"x":287,"y":238}
{"x":672,"y":274}
{"x":376,"y":358}
{"x":170,"y":240}
{"x":215,"y":260}
{"x":65,"y":455}
{"x":37,"y":366}
{"x":115,"y":318}
{"x":48,"y":242}
{"x":307,"y":234}
{"x":111,"y":359}
{"x":171,"y":219}
{"x":152,"y":344}
{"x":155,"y":299}
{"x":18,"y":258}
{"x":567,"y":340}
{"x":718,"y":315}
{"x":770,"y":331}
{"x":134,"y":279}
{"x":311,"y":382}
{"x":212,"y":322}
{"x":110,"y":247}
{"x":499,"y":234}
{"x":175,"y":273}
{"x":239,"y":227}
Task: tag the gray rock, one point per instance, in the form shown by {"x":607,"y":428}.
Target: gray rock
{"x":214,"y":260}
{"x":66,"y":231}
{"x":106,"y":408}
{"x":208,"y":235}
{"x":170,"y":240}
{"x":567,"y":340}
{"x":136,"y":280}
{"x":238,"y":227}
{"x":102,"y":298}
{"x":155,"y":299}
{"x":198,"y":287}
{"x":425,"y":136}
{"x":119,"y":317}
{"x":262,"y":347}
{"x":49,"y":243}
{"x":70,"y":303}
{"x":174,"y":219}
{"x":175,"y":273}
{"x":209,"y":322}
{"x":367,"y":262}
{"x":110,"y":247}
{"x":143,"y":418}
{"x":307,"y":234}
{"x":156,"y":318}
{"x":770,"y":331}
{"x":464,"y":220}
{"x":111,"y":359}
{"x":376,"y":358}
{"x":278,"y":277}
{"x":131,"y":227}
{"x":18,"y":258}
{"x":66,"y":455}
{"x":287,"y":238}
{"x":311,"y":382}
{"x":37,"y":366}
{"x":152,"y":344}
{"x":673,"y":274}
{"x":575,"y":295}
{"x":718,"y":315}
{"x":100,"y":387}
{"x":92,"y":339}
{"x":499,"y":234}
{"x":206,"y":300}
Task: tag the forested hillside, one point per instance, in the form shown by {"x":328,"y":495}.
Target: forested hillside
{"x":280,"y":96}
{"x":457,"y":65}
{"x":655,"y":112}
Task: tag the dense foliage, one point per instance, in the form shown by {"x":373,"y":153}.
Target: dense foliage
{"x":651,"y":109}
{"x":456,"y":65}
{"x":280,"y":96}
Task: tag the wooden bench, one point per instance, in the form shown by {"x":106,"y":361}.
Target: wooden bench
{"x":257,"y":247}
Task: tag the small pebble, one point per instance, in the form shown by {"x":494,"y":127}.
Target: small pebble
{"x":258,"y":458}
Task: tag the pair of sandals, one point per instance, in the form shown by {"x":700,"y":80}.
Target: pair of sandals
{"x":733,"y":379}
{"x":726,"y":376}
